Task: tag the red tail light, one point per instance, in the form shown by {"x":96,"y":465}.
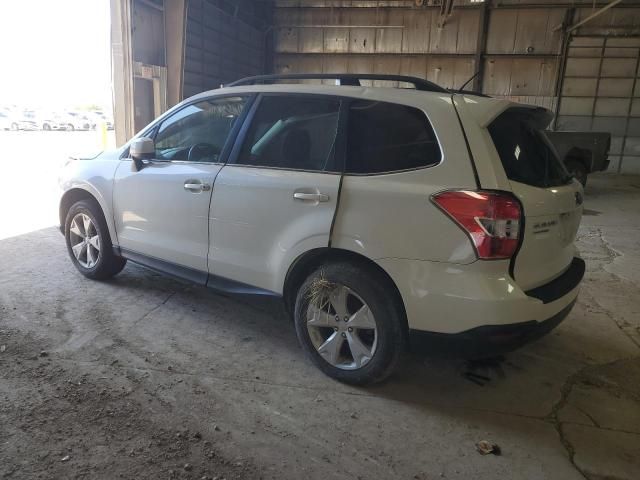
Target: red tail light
{"x":491,"y":219}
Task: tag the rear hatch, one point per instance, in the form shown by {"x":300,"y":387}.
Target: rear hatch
{"x":551,"y":199}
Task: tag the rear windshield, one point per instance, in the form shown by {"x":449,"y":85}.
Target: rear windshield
{"x":526,"y":154}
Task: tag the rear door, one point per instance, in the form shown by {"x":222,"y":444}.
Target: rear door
{"x":551,"y":199}
{"x":277,"y":196}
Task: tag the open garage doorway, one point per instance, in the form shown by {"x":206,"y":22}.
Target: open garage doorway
{"x":56,"y":99}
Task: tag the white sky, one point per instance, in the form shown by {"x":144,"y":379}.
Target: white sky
{"x":55,"y":53}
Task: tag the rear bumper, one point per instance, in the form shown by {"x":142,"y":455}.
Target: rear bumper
{"x":488,"y":340}
{"x":518,"y":333}
{"x":481,"y":297}
{"x":561,"y":286}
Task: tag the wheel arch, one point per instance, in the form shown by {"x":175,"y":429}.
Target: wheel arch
{"x":73,"y":196}
{"x":309,"y":261}
{"x":579,"y":155}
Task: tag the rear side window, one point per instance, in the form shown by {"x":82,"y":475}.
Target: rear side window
{"x":293,"y":132}
{"x":525,"y":152}
{"x":387,"y":137}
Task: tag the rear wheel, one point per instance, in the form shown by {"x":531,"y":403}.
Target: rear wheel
{"x":46,"y":127}
{"x":70,"y":127}
{"x":88,"y":242}
{"x":349,"y":324}
{"x":578,"y":170}
{"x":14,"y":126}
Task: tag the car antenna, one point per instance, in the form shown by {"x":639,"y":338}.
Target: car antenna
{"x":461,"y":89}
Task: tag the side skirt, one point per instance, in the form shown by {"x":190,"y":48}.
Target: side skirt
{"x":191,"y":275}
{"x":171,"y":269}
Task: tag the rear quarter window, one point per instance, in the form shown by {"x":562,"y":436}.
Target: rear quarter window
{"x":385,"y":137}
{"x":525,"y":152}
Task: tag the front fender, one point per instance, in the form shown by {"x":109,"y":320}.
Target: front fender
{"x":96,"y":178}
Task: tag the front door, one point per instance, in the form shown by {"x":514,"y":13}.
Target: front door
{"x":277,"y":196}
{"x":162,"y":210}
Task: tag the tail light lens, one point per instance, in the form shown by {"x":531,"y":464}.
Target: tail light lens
{"x":491,"y":219}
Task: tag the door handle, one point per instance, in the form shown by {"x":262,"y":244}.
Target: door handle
{"x":311,"y":197}
{"x":196,"y":186}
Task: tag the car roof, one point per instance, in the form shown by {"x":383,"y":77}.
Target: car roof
{"x":400,"y":95}
{"x":484,"y":108}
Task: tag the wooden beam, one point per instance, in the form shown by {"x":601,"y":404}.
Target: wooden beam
{"x":562,"y":63}
{"x":175,"y":16}
{"x":481,"y":46}
{"x":594,"y":15}
{"x":122,"y":70}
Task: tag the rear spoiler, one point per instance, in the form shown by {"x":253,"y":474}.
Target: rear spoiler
{"x":539,"y":117}
{"x":485,"y":110}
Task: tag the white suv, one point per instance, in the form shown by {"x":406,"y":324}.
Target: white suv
{"x":370,"y":211}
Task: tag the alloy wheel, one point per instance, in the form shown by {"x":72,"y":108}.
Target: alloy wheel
{"x":342,"y":328}
{"x":85,"y":241}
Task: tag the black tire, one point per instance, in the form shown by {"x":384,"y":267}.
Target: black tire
{"x":578,"y":170}
{"x":46,"y":127}
{"x":70,"y":127}
{"x":374,"y":290}
{"x":14,"y":127}
{"x":108,"y":263}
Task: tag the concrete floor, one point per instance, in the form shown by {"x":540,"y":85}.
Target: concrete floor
{"x":146,"y":377}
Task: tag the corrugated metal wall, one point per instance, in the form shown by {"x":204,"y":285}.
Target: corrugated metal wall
{"x":521,"y":53}
{"x":225,"y":40}
{"x":599,"y":93}
{"x":600,"y":88}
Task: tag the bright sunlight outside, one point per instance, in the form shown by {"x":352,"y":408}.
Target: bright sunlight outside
{"x":55,"y":102}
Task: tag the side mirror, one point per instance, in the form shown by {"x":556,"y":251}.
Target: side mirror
{"x":141,"y":149}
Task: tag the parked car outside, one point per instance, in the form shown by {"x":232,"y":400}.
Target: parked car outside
{"x":77,"y":121}
{"x":100,"y":118}
{"x":370,"y":211}
{"x":50,"y":121}
{"x":582,"y":152}
{"x":22,"y":120}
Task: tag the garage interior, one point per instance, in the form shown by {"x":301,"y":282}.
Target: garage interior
{"x":147,"y":377}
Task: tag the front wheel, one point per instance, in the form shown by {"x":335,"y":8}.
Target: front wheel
{"x":88,"y":242}
{"x":349,"y":324}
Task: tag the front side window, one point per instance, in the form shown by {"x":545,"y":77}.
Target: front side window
{"x":292,"y":132}
{"x":198,"y":132}
{"x":386,"y":137}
